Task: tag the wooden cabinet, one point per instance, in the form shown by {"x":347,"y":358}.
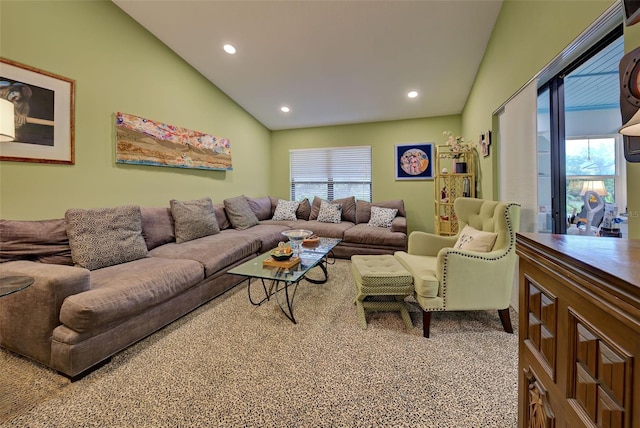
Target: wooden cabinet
{"x":579,"y":331}
{"x":454,"y":177}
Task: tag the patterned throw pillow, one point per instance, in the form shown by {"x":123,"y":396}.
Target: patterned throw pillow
{"x":329,"y":213}
{"x":286,"y":210}
{"x":193,"y":219}
{"x":105,"y":236}
{"x":239,"y":212}
{"x":475,"y":240}
{"x":382,"y":217}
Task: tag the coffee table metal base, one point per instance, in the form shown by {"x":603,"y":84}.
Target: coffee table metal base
{"x":275,"y":287}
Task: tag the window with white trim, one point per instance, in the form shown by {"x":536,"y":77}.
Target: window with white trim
{"x":330,"y":173}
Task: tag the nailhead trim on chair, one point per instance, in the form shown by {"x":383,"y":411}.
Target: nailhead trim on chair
{"x":512,"y":243}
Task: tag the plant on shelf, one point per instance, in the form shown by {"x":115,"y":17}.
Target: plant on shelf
{"x":458,"y":144}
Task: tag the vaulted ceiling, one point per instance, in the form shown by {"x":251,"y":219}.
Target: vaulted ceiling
{"x":330,"y":62}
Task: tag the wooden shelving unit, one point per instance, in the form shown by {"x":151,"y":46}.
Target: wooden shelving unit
{"x":451,"y":185}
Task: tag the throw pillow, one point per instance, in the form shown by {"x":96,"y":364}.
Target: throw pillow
{"x":329,"y":213}
{"x":105,"y":236}
{"x":475,"y":240}
{"x":193,"y":219}
{"x":286,"y":210}
{"x":239,"y":212}
{"x":382,"y":217}
{"x":304,"y":210}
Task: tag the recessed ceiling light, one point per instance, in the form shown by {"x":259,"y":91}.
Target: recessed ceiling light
{"x":285,"y":109}
{"x":412,"y":94}
{"x":229,"y":49}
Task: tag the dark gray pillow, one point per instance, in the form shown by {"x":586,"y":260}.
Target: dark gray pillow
{"x":193,"y":219}
{"x":239,"y":212}
{"x":104,"y":237}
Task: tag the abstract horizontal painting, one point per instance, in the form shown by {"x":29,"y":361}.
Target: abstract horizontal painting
{"x":143,"y":141}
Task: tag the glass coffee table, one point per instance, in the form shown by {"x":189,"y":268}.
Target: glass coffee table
{"x":277,"y":280}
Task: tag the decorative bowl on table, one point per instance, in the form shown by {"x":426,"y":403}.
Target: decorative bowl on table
{"x":296,"y":236}
{"x":311,"y":241}
{"x":281,"y":252}
{"x":280,"y":256}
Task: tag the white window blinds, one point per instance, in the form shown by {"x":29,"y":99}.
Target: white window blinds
{"x":331,"y":173}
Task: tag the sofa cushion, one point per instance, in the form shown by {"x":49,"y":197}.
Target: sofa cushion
{"x":327,"y":230}
{"x":261,"y":207}
{"x":423,"y":269}
{"x":382,"y":217}
{"x":103,"y":237}
{"x":286,"y":210}
{"x":475,"y":240}
{"x":193,"y":219}
{"x":269,"y":234}
{"x":157,"y":226}
{"x":43,"y":241}
{"x":214,"y":252}
{"x":239,"y":212}
{"x":363,"y":208}
{"x":120,"y":292}
{"x":330,"y":213}
{"x":348,"y":208}
{"x":375,"y":236}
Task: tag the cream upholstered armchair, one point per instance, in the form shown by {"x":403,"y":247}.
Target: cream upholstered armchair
{"x":449,"y":274}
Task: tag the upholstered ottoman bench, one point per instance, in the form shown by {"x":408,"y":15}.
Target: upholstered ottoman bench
{"x":381,"y":275}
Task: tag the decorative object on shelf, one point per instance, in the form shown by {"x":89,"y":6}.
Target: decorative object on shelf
{"x":296,"y":236}
{"x":460,"y":167}
{"x":466,"y":187}
{"x":141,"y":141}
{"x":458,"y":144}
{"x":43,"y":108}
{"x":414,"y":161}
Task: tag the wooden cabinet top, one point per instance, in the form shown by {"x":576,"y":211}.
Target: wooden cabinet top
{"x":608,"y":264}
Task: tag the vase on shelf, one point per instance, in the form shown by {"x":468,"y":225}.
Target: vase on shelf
{"x":460,"y":167}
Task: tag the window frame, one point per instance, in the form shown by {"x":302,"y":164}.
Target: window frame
{"x":338,"y":163}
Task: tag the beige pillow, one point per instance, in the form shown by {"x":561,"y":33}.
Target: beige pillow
{"x":193,"y":219}
{"x":475,"y":240}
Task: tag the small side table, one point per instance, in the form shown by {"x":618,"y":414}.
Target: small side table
{"x":13,"y":283}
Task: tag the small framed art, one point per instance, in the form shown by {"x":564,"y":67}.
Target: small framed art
{"x":485,"y":142}
{"x":414,"y":161}
{"x":43,"y":108}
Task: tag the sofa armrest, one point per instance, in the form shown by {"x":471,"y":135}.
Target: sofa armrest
{"x":28,"y":317}
{"x":428,"y":244}
{"x":399,"y":224}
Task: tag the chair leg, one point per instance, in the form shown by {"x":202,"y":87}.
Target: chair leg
{"x":426,"y":323}
{"x":506,"y":320}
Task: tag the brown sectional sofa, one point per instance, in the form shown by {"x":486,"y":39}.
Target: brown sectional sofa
{"x":73,"y":318}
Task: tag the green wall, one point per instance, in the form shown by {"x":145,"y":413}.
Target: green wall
{"x":526,"y":37}
{"x":382,"y":137}
{"x":118,"y":66}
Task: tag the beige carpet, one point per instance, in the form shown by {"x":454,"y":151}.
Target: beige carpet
{"x":231,"y":364}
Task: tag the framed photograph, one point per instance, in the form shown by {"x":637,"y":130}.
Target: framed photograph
{"x":485,"y":142}
{"x":414,"y":161}
{"x":44,"y":114}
